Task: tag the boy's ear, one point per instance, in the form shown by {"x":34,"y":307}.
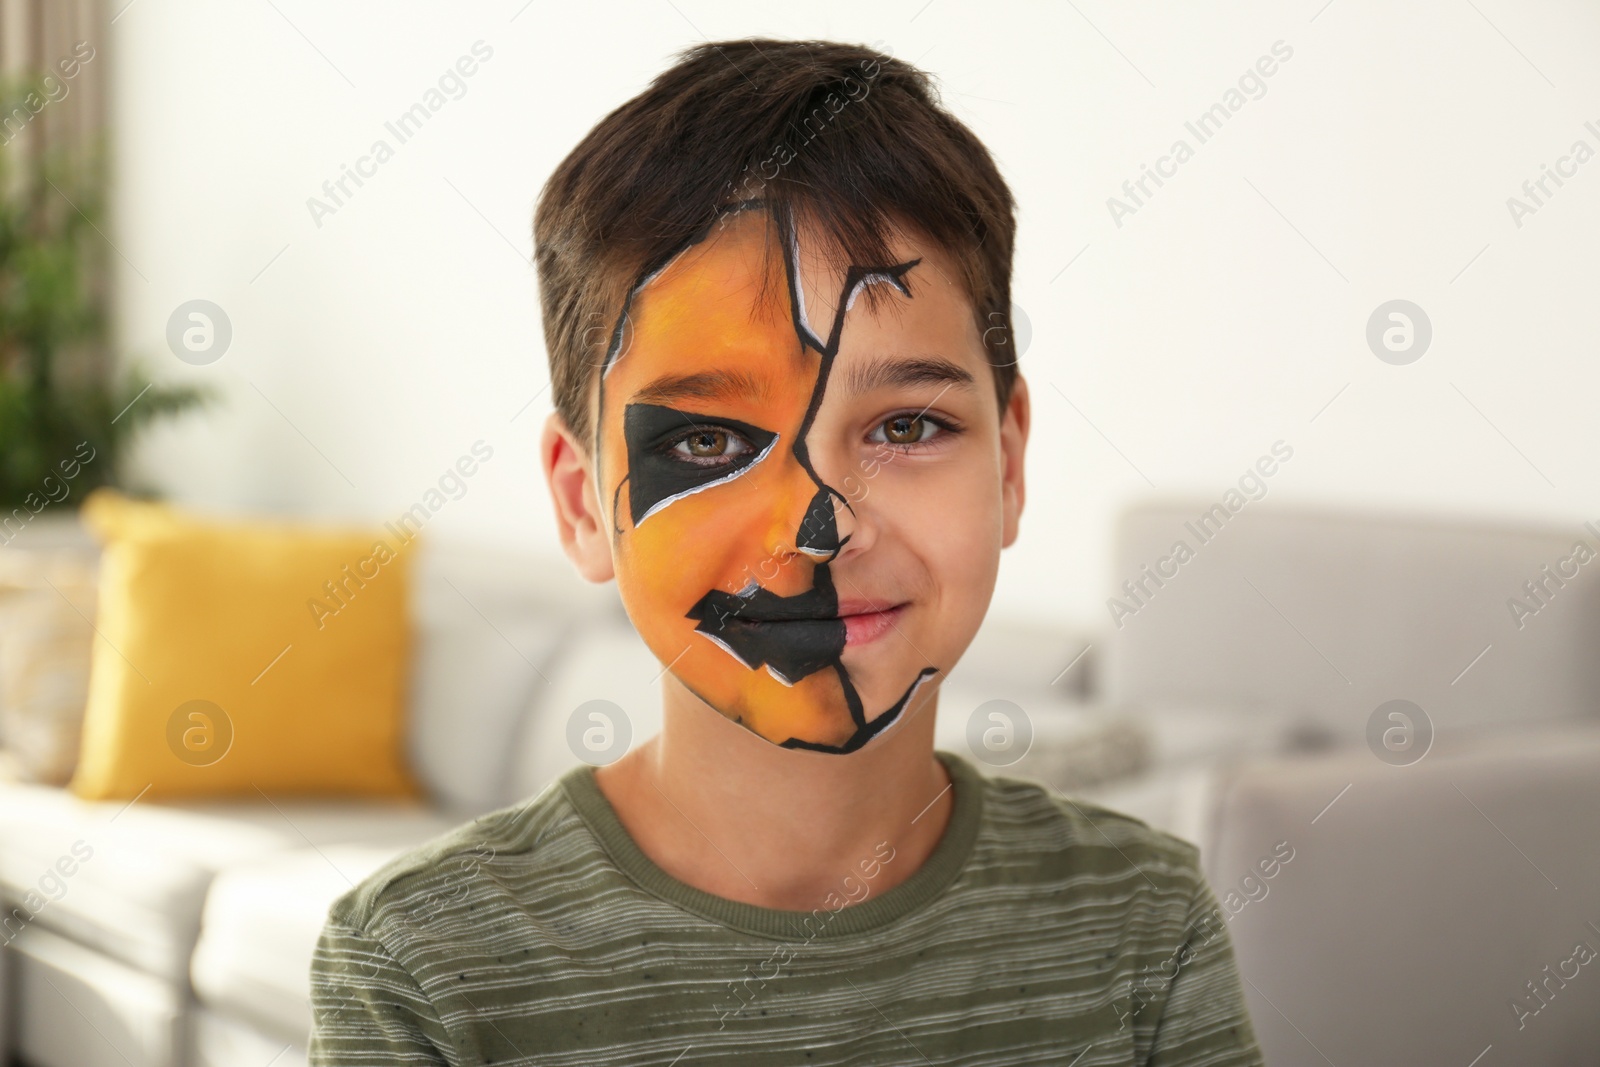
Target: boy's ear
{"x":585,"y":531}
{"x":1013,"y":443}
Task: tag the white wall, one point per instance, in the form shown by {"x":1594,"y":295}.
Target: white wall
{"x":1221,"y":317}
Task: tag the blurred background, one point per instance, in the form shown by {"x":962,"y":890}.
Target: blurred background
{"x":374,"y":343}
{"x":1306,"y":288}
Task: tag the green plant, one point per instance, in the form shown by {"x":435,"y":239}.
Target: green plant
{"x":58,"y":388}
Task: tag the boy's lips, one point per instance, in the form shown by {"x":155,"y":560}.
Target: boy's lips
{"x":792,"y":635}
{"x":864,"y":623}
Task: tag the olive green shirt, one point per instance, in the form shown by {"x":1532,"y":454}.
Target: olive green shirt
{"x":1040,"y":930}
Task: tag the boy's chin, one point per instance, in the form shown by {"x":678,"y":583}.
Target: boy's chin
{"x":820,"y":718}
{"x":883,"y":669}
{"x":882,"y":685}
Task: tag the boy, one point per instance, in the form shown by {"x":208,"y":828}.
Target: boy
{"x":788,"y":426}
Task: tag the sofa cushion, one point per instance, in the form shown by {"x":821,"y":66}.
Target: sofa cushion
{"x":1022,"y":732}
{"x":129,"y":880}
{"x":48,"y":586}
{"x":488,"y":625}
{"x":241,"y":653}
{"x":217,"y":1040}
{"x":1322,"y":616}
{"x":77,"y":1008}
{"x":1021,"y":659}
{"x":1441,"y":904}
{"x":606,"y":661}
{"x":260,"y":928}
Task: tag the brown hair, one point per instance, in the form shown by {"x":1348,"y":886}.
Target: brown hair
{"x":850,"y":137}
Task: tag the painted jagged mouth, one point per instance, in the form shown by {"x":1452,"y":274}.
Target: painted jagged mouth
{"x":791,"y":636}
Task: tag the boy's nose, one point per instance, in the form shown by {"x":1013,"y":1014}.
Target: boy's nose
{"x":825,"y":527}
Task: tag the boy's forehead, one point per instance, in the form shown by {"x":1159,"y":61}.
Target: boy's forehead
{"x":720,"y":303}
{"x":723,"y":306}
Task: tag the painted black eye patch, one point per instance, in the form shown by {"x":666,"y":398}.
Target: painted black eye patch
{"x":655,"y":478}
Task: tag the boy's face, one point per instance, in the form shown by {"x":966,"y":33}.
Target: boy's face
{"x":806,"y":500}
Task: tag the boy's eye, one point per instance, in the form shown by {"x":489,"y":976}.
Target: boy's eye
{"x":672,"y":453}
{"x":707,"y":446}
{"x":905,"y":430}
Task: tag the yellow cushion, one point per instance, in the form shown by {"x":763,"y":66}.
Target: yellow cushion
{"x":240,"y":658}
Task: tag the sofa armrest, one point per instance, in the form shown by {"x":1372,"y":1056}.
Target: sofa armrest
{"x":1440,"y":904}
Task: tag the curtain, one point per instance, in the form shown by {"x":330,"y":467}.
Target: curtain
{"x":61,"y":48}
{"x":52,"y":38}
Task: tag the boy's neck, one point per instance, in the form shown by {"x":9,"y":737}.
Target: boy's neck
{"x":729,"y":813}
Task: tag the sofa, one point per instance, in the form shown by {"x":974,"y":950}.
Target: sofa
{"x":1230,"y":708}
{"x":1436,"y":897}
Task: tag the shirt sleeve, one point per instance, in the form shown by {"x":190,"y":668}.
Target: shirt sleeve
{"x":1204,"y":1021}
{"x":367,"y":1009}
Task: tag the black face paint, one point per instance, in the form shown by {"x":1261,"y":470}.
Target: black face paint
{"x":657,"y":477}
{"x":818,"y":535}
{"x":793,"y":635}
{"x":865,"y":731}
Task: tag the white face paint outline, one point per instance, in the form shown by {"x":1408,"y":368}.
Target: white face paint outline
{"x":703,"y":486}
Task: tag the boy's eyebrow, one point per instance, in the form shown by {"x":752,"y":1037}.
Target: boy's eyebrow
{"x":923,"y":370}
{"x":705,"y":385}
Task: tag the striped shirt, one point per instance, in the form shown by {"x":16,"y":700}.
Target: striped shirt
{"x":1040,"y":930}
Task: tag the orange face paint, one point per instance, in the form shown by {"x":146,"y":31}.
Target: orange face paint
{"x":723,"y":532}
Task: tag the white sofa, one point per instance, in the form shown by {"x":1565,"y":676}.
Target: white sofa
{"x":186,"y":935}
{"x":185,"y":938}
{"x":1423,"y":897}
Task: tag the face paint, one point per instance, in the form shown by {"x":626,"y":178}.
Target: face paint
{"x":723,"y":530}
